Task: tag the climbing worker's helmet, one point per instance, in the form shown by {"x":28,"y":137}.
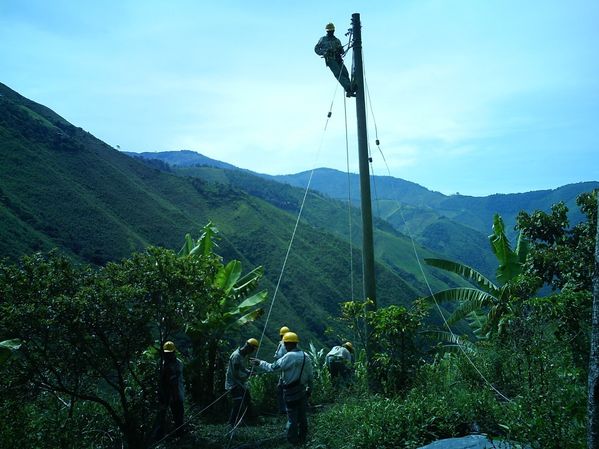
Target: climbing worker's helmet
{"x":253,"y":342}
{"x":169,"y":346}
{"x":329,"y":27}
{"x":347,"y":345}
{"x":290,"y":337}
{"x":283,"y":330}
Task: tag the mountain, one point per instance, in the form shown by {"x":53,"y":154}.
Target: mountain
{"x":425,"y":206}
{"x":456,"y":226}
{"x":182,"y":158}
{"x":62,"y":187}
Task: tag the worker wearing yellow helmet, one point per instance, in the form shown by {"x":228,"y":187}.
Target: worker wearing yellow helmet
{"x":330,"y":48}
{"x":171,"y":391}
{"x":280,"y":352}
{"x":236,"y":379}
{"x":339,"y":361}
{"x":296,"y":373}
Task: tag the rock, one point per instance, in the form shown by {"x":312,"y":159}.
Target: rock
{"x":470,"y":442}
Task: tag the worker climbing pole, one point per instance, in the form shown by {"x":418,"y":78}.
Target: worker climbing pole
{"x":330,"y":48}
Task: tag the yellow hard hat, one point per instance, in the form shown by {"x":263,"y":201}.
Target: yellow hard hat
{"x":283,"y":330}
{"x":330,"y":27}
{"x":290,"y":337}
{"x":169,"y":346}
{"x":253,"y":342}
{"x":348,"y":346}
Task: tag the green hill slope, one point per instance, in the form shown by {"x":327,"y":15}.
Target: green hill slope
{"x":62,"y":187}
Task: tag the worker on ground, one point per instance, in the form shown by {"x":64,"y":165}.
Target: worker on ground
{"x":280,"y":352}
{"x":339,"y":361}
{"x":236,"y":379}
{"x":330,"y":48}
{"x":296,"y":369}
{"x":171,"y":391}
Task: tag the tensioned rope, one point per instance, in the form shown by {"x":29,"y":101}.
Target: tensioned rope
{"x":418,"y":259}
{"x":307,"y":189}
{"x":277,"y":287}
{"x":188,"y":420}
{"x":289,"y":246}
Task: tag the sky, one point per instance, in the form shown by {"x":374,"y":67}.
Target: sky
{"x":470,"y":96}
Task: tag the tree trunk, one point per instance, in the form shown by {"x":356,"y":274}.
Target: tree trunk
{"x":593,"y":401}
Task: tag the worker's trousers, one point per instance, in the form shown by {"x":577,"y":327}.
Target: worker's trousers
{"x":297,"y":421}
{"x":341,"y":73}
{"x":241,"y":405}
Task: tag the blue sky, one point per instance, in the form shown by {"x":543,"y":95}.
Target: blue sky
{"x":469,"y":96}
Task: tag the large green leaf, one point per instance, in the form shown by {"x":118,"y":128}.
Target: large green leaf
{"x":469,"y":299}
{"x":187,"y":246}
{"x":227,"y":276}
{"x":522,"y":248}
{"x":205,"y":243}
{"x":252,"y":301}
{"x":244,"y":306}
{"x":473,"y":301}
{"x":465,"y":271}
{"x":249,"y":280}
{"x":249,"y":317}
{"x":454,"y":343}
{"x":509,"y":263}
{"x":7,"y":347}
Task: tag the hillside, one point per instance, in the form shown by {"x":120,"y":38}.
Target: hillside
{"x":61,"y":187}
{"x":455,"y":227}
{"x":473,"y":212}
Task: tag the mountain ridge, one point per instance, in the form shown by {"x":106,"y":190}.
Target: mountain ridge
{"x":62,"y":187}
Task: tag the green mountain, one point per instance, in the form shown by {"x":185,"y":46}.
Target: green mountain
{"x":425,"y":206}
{"x":182,"y":158}
{"x":455,"y":226}
{"x":62,"y":187}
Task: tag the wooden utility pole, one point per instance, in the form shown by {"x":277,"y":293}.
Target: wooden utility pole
{"x":366,"y":202}
{"x":367,"y":233}
{"x":593,"y":400}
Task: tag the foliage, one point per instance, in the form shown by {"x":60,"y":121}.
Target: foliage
{"x":85,"y":333}
{"x":394,"y":331}
{"x":232,"y":307}
{"x":7,"y":348}
{"x":379,"y":423}
{"x":562,"y":256}
{"x":263,"y":389}
{"x":493,"y":299}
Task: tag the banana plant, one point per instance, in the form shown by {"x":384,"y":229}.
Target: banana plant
{"x":233,"y":306}
{"x":486,"y":296}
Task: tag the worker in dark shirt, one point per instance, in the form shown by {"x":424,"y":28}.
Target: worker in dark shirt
{"x":170,"y":391}
{"x":330,"y":48}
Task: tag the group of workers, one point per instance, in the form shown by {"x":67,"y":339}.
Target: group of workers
{"x":295,"y":381}
{"x":293,"y":388}
{"x":296,"y":371}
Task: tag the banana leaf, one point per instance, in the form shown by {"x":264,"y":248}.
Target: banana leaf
{"x":465,"y":271}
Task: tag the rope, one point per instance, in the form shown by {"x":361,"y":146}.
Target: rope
{"x":421,"y":268}
{"x":286,"y":258}
{"x":188,"y":420}
{"x":307,"y":189}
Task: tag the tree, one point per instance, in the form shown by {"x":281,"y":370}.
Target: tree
{"x":561,"y":256}
{"x":593,"y":384}
{"x":233,"y":306}
{"x":489,"y":297}
{"x":85,"y":333}
{"x":394,"y":329}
